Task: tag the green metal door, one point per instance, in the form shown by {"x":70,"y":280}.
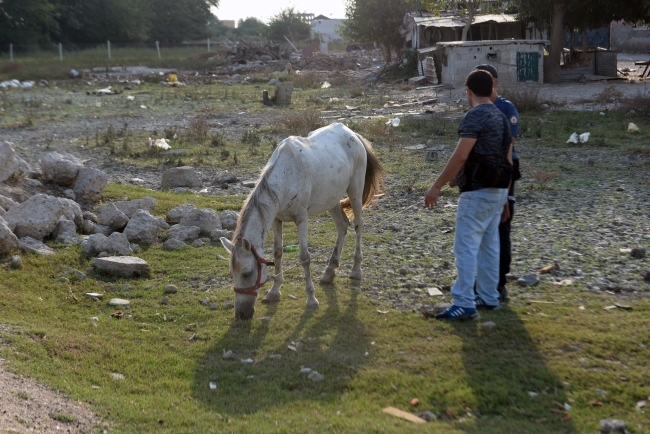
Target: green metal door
{"x":528,"y":66}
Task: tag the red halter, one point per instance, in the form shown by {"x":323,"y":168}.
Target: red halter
{"x":252,"y":290}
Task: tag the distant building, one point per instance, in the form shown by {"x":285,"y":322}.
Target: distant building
{"x":326,"y":27}
{"x":228,"y":23}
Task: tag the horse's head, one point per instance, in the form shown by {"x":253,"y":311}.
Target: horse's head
{"x":249,"y":273}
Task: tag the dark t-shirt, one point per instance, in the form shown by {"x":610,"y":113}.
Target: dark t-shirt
{"x":491,"y":129}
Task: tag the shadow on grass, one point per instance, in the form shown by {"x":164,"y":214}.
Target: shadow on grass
{"x":331,"y":341}
{"x":502,"y":366}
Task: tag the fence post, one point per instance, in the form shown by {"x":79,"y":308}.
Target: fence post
{"x":208,"y":45}
{"x":61,"y":52}
{"x":11,"y":52}
{"x":158,"y":49}
{"x":109,"y":49}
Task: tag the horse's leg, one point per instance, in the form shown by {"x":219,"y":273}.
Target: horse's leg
{"x":274,"y":294}
{"x":341,"y":221}
{"x":305,"y":259}
{"x":357,"y":207}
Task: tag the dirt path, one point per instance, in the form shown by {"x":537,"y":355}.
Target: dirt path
{"x":29,"y":407}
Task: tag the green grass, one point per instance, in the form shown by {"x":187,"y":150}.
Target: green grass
{"x":44,"y":64}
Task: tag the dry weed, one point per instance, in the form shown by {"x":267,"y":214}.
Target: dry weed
{"x":301,"y":123}
{"x":306,"y":80}
{"x":525,"y":98}
{"x":197,"y":129}
{"x":609,"y":95}
{"x":376,"y":131}
{"x":640,"y":103}
{"x":542,"y":177}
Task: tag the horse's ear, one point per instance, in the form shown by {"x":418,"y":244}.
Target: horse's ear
{"x":246,"y":244}
{"x":226,"y":244}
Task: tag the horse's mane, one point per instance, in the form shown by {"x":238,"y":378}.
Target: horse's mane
{"x":254,"y":203}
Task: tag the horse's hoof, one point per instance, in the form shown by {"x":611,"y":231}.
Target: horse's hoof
{"x":271,"y":297}
{"x":327,"y":278}
{"x":356,"y":275}
{"x":313,"y":305}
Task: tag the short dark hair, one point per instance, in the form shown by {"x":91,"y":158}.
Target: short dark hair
{"x":480,"y":82}
{"x":489,"y":68}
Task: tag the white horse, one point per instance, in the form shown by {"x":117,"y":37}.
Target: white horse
{"x":305,"y":176}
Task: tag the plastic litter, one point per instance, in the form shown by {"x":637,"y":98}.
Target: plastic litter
{"x":576,"y":138}
{"x":632,"y":128}
{"x":326,"y":85}
{"x":584,"y":137}
{"x":393,"y":122}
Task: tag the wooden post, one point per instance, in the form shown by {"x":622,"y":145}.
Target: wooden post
{"x":108,"y":43}
{"x":265,"y":98}
{"x":158,"y":49}
{"x":208,"y":45}
{"x":11,"y":52}
{"x":61,"y":52}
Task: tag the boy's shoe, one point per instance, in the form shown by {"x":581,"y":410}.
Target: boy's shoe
{"x":503,"y":293}
{"x":457,"y":313}
{"x":481,"y":304}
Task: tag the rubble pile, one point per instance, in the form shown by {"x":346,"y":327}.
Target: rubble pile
{"x":243,"y":52}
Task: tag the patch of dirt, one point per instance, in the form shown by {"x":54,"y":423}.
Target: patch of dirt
{"x":29,"y":407}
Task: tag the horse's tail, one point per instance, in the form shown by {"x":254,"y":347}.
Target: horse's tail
{"x":373,"y":182}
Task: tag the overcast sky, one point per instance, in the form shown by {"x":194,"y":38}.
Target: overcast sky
{"x":264,"y":9}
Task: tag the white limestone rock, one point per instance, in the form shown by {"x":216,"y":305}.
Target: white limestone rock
{"x":184,"y":233}
{"x":90,"y":247}
{"x":65,"y":232}
{"x":7,"y":203}
{"x":180,"y":177}
{"x":38,"y":216}
{"x":218,"y":233}
{"x":72,"y":211}
{"x":8,"y":240}
{"x":130,"y":207}
{"x":61,"y":169}
{"x":109,"y":215}
{"x":176,"y":214}
{"x":30,"y":245}
{"x":142,"y":228}
{"x":115,"y":244}
{"x":90,"y":227}
{"x":229,"y":219}
{"x":89,"y":185}
{"x":205,"y":218}
{"x":9,"y":162}
{"x":123,"y":266}
{"x":173,"y":244}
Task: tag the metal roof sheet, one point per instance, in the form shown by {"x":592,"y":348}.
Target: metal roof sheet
{"x":457,"y":22}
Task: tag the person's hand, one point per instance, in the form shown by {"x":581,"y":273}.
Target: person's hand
{"x":453,"y":182}
{"x":431,"y":199}
{"x":505,"y":215}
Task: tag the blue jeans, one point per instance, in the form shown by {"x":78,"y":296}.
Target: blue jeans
{"x":476,"y":246}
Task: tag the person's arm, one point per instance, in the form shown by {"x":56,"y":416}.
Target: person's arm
{"x":505,"y":214}
{"x":453,"y":166}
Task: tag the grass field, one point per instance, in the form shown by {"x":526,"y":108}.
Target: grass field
{"x":552,"y":345}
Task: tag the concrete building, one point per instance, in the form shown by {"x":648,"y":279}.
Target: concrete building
{"x":326,"y":28}
{"x":517,"y":61}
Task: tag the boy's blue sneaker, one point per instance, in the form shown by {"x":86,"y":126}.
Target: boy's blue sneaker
{"x":481,"y":304}
{"x":458,"y":313}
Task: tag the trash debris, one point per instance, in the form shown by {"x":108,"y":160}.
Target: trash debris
{"x":382,"y":311}
{"x":575,"y":138}
{"x":533,"y":394}
{"x":117,"y":376}
{"x":227,"y":354}
{"x":315,"y":376}
{"x":326,"y":85}
{"x":547,"y":269}
{"x":117,"y":314}
{"x":159,"y":143}
{"x":213,"y":385}
{"x":632,"y":128}
{"x":74,"y":73}
{"x":249,"y":360}
{"x":130,"y":97}
{"x":403,"y":415}
{"x":623,"y":306}
{"x":434,"y":292}
{"x":393,"y":122}
{"x":415,"y":402}
{"x":595,"y":403}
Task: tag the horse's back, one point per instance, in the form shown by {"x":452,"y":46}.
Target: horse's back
{"x":321,"y":166}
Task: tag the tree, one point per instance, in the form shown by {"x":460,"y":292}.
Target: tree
{"x":27,"y":21}
{"x":468,"y":7}
{"x":377,"y":21}
{"x":178,"y":20}
{"x":250,"y":27}
{"x":95,"y":21}
{"x":289,"y":22}
{"x":582,"y":14}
